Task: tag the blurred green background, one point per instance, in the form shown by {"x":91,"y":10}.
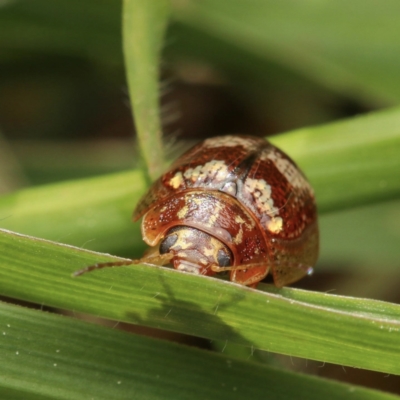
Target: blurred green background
{"x":228,"y":66}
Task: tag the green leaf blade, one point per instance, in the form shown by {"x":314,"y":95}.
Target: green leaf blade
{"x":330,"y":43}
{"x":144,"y":24}
{"x":53,"y":357}
{"x":324,"y":328}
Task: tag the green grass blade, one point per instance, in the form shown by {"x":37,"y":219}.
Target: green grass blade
{"x":331,"y":43}
{"x":361,"y":239}
{"x":51,"y":357}
{"x":144,"y":24}
{"x":94,"y":213}
{"x":348,"y":331}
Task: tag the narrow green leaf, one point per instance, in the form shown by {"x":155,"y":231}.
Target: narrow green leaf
{"x":331,"y":43}
{"x":51,"y":357}
{"x":364,"y":238}
{"x":94,"y":213}
{"x":312,"y":325}
{"x":144,"y":24}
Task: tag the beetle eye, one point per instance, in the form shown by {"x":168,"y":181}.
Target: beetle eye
{"x":167,"y":243}
{"x":223,"y":258}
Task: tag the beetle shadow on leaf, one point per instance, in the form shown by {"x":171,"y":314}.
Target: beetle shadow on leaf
{"x":188,"y":317}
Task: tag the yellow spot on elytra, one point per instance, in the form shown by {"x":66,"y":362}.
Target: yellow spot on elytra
{"x":230,"y":141}
{"x":261,"y":192}
{"x":239,"y":219}
{"x":213,"y":170}
{"x":275,"y":225}
{"x":177,"y":180}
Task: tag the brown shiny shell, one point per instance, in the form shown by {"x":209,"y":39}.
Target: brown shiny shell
{"x":248,"y":194}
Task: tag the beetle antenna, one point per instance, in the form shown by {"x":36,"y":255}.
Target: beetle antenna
{"x":91,"y":268}
{"x":156,"y":259}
